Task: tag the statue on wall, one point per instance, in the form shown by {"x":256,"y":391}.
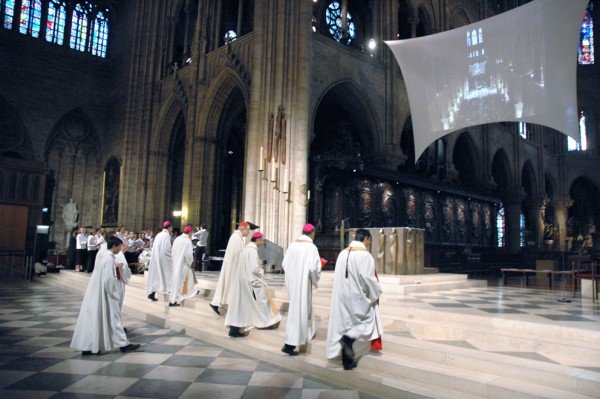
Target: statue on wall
{"x":461,"y":220}
{"x":388,"y":207}
{"x":366,"y":204}
{"x":411,"y":207}
{"x":429,"y":216}
{"x":448,"y":216}
{"x":475,"y":221}
{"x":70,"y":214}
{"x":112,"y":177}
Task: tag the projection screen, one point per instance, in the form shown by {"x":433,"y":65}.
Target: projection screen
{"x":518,"y":66}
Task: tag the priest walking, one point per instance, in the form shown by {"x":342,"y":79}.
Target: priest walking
{"x":99,"y":327}
{"x":183,"y":257}
{"x":250,"y":304}
{"x":160,"y":274}
{"x":302,"y":266}
{"x":354,"y":311}
{"x":234,"y":249}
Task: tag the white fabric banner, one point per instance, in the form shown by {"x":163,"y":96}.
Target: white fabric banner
{"x":518,"y":66}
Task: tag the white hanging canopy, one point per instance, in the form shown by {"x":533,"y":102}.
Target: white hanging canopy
{"x":518,"y":66}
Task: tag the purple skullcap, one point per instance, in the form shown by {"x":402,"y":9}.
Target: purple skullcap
{"x":308,"y":228}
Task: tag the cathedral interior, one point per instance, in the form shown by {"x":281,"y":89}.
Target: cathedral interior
{"x":270,"y":111}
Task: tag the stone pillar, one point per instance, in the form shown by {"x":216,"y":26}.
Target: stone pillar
{"x":512,"y":229}
{"x":561,"y":213}
{"x":538,"y":211}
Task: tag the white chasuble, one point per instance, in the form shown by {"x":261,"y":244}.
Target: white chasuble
{"x":234,"y":249}
{"x":125,"y":276}
{"x":302,"y":266}
{"x":354,"y":311}
{"x":99,"y":326}
{"x":249,"y":303}
{"x":160,"y":273}
{"x":183,"y":256}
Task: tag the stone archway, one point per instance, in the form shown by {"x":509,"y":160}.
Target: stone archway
{"x":345,"y":141}
{"x":227,"y":196}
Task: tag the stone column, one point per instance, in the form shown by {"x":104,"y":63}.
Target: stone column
{"x":512,"y":231}
{"x":538,"y":211}
{"x":561,"y":213}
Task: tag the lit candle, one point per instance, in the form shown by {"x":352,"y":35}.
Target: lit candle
{"x":285,"y":181}
{"x":272,"y":168}
{"x":261,"y":162}
{"x":308,"y":195}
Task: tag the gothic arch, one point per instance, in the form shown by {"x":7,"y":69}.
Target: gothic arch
{"x":72,"y":154}
{"x":529,"y":180}
{"x":355,"y":101}
{"x":223,"y":85}
{"x":502,"y":173}
{"x":168,"y":114}
{"x":465,"y":157}
{"x":458,"y":18}
{"x":76,"y":131}
{"x":13,"y":135}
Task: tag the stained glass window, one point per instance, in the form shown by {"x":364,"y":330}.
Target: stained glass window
{"x":522,"y":235}
{"x":500,"y":227}
{"x":31,"y":15}
{"x":100,"y":35}
{"x":55,"y":24}
{"x":7,"y":12}
{"x":586,"y":38}
{"x":573,"y":145}
{"x":79,"y":27}
{"x":523,"y":129}
{"x":333,"y":18}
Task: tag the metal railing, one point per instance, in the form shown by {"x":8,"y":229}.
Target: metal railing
{"x":17,"y":264}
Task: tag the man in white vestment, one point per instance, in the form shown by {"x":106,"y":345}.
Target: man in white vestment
{"x":250,"y":304}
{"x":183,"y":257}
{"x":160,"y":273}
{"x":354,"y":310}
{"x":125,"y":273}
{"x":234,"y":249}
{"x":99,"y":327}
{"x":302,"y":266}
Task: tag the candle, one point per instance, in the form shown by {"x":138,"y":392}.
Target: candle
{"x":273,"y":168}
{"x":308,"y":195}
{"x":285,"y":181}
{"x":261,"y":162}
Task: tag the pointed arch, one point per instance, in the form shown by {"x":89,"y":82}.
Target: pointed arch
{"x":529,"y":180}
{"x":76,"y":130}
{"x":14,"y":137}
{"x":223,"y":85}
{"x":352,"y":99}
{"x":465,"y":158}
{"x":502,"y":173}
{"x":458,"y":18}
{"x":166,"y":119}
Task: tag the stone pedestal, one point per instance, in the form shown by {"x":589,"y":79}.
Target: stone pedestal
{"x":397,"y":250}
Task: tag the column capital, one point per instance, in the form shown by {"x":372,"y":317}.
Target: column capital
{"x":563,"y":202}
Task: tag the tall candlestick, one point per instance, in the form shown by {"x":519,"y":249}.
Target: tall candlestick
{"x":261,"y":162}
{"x":273,"y":169}
{"x":284,"y":187}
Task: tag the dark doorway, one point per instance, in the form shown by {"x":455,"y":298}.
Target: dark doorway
{"x":229,"y":179}
{"x":176,"y":168}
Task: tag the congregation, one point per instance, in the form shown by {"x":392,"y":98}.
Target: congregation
{"x":241,"y":292}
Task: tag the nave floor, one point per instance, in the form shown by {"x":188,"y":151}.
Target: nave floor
{"x":36,"y":326}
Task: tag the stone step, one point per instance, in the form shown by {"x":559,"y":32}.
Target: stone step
{"x":197,"y":315}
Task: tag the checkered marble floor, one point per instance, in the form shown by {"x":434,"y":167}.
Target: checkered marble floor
{"x":36,"y":362}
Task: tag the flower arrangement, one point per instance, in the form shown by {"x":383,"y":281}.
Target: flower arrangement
{"x":144,"y":259}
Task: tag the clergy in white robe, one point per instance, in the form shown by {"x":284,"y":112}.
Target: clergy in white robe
{"x":124,"y":271}
{"x":234,"y":249}
{"x":354,"y":311}
{"x":160,"y":271}
{"x":250,"y":304}
{"x":99,"y":327}
{"x":302,"y":266}
{"x":183,"y":257}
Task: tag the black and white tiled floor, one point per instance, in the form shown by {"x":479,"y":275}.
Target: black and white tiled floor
{"x":36,"y":362}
